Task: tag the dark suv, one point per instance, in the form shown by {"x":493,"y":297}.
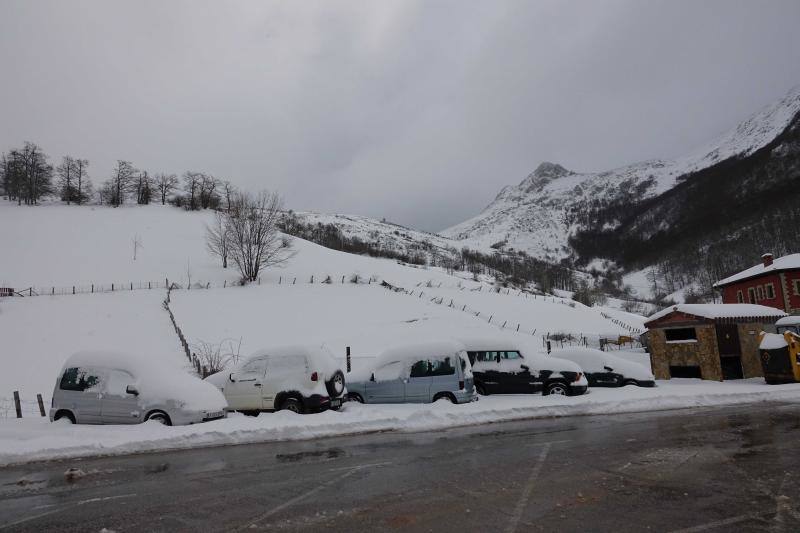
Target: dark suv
{"x":509,"y":372}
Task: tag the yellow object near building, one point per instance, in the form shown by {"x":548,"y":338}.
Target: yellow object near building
{"x":779,"y":352}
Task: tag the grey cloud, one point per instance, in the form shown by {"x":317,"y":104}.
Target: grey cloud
{"x":416,"y":111}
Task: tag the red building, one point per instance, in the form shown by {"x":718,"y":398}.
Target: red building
{"x":774,"y":283}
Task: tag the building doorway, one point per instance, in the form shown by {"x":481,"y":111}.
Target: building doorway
{"x":730,"y":351}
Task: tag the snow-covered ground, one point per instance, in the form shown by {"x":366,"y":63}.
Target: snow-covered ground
{"x":32,"y":439}
{"x":82,"y":244}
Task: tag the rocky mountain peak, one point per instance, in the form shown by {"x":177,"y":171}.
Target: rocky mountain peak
{"x":544,"y":174}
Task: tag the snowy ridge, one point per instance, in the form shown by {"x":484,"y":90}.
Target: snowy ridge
{"x":537,"y":215}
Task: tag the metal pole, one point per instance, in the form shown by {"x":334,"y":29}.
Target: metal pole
{"x":41,"y":404}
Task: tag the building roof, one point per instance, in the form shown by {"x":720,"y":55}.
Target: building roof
{"x":787,"y":262}
{"x":714,"y":311}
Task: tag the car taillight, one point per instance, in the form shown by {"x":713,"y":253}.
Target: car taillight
{"x":460,"y":385}
{"x":314,"y":377}
{"x":578,"y":377}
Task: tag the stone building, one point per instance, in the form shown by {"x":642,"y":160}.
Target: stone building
{"x":708,"y":341}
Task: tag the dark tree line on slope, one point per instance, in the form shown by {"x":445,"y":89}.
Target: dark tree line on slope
{"x":718,"y":221}
{"x":27,"y":176}
{"x":518,"y":268}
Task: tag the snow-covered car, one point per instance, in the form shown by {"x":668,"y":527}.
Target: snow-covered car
{"x":604,"y":369}
{"x":415,"y":373}
{"x":115,"y":388}
{"x":503,"y":366}
{"x":302,"y":379}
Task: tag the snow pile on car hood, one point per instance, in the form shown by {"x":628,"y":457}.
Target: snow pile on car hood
{"x":156,"y":383}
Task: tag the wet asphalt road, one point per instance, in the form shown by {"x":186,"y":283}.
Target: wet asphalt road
{"x":725,"y":469}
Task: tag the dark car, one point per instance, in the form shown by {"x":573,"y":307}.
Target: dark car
{"x":505,"y":370}
{"x":603,"y":369}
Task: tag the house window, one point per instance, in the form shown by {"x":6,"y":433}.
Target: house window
{"x":740,"y":297}
{"x":770,"y":289}
{"x":680,"y":334}
{"x":760,"y":292}
{"x":796,"y":284}
{"x":751,"y":295}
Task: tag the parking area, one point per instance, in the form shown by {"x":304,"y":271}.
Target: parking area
{"x":699,"y":470}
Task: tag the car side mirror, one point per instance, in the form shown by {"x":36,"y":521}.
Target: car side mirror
{"x":608,"y":368}
{"x":526,"y":368}
{"x":230,"y":377}
{"x":372,"y":377}
{"x":132,"y":390}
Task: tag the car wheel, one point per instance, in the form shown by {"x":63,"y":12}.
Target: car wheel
{"x":557,"y":388}
{"x":630,"y":382}
{"x":445,"y":396}
{"x":293,"y":405}
{"x":335,"y":385}
{"x":480,"y":389}
{"x":64,"y":415}
{"x":355,"y":397}
{"x":159,"y":417}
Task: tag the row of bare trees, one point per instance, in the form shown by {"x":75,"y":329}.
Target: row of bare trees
{"x":26,"y":176}
{"x":247,"y":234}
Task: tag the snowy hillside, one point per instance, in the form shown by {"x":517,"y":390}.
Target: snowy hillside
{"x":386,"y":235}
{"x":82,"y":244}
{"x":544,"y":210}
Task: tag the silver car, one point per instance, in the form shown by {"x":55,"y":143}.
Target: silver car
{"x":420,"y":373}
{"x":109,"y":388}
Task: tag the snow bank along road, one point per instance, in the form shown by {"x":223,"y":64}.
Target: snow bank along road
{"x":32,"y":439}
{"x":718,"y":469}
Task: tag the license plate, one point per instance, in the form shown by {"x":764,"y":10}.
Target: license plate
{"x":336,"y":403}
{"x":217,"y":414}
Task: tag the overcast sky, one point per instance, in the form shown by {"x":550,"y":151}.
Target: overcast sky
{"x":417,"y":111}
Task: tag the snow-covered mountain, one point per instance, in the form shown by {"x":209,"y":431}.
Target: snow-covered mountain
{"x":541,"y":213}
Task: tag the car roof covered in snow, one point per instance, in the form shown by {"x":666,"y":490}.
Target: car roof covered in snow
{"x":491,"y":343}
{"x":791,"y":320}
{"x":109,"y":359}
{"x":415,"y":350}
{"x":317,"y":355}
{"x":713,"y":311}
{"x":786,"y":262}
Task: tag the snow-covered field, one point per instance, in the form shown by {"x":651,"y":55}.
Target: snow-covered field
{"x":34,"y":439}
{"x":79,"y":245}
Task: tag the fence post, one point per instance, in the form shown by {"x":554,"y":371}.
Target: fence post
{"x":349,"y":365}
{"x":73,"y":289}
{"x":41,"y":404}
{"x":17,"y":404}
{"x":224,"y":283}
{"x":131,"y":285}
{"x":490,"y":318}
{"x":92,"y":288}
{"x":517,"y":327}
{"x":504,"y":323}
{"x":54,"y":291}
{"x":112,"y":287}
{"x":294,"y":281}
{"x":148,"y":285}
{"x":312,"y":278}
{"x":342,"y":279}
{"x":463,"y":308}
{"x":280,"y":279}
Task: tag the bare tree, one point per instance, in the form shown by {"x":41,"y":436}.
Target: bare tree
{"x":117,"y":187}
{"x":228,"y":190}
{"x":83,"y":186}
{"x":255,"y":242}
{"x":143,"y":184}
{"x":66,"y":174}
{"x":137,"y":243}
{"x":208,"y":191}
{"x":27,"y":176}
{"x":165,"y":183}
{"x":191,"y":184}
{"x":218,"y":238}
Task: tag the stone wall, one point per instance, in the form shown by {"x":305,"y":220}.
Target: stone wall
{"x":703,"y":353}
